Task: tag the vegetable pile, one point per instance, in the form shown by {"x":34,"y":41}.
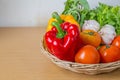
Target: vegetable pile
{"x":103,"y":13}
{"x":83,"y":35}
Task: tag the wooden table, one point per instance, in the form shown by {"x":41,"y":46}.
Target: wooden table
{"x":21,"y":59}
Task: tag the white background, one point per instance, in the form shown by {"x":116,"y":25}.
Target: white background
{"x":16,"y":13}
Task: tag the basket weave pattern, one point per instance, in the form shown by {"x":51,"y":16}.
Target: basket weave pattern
{"x":90,"y":69}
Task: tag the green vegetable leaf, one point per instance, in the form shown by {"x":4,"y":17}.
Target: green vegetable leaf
{"x":103,"y":13}
{"x":84,"y":3}
{"x":75,"y":7}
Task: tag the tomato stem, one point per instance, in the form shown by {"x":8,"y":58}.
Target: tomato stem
{"x":91,"y":33}
{"x":98,"y":47}
{"x":107,"y":46}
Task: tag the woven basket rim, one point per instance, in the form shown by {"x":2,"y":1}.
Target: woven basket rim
{"x":90,"y":69}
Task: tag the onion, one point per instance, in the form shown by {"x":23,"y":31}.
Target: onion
{"x":91,"y":25}
{"x":107,"y":33}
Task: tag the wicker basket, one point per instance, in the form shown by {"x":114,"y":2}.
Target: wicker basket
{"x":90,"y":69}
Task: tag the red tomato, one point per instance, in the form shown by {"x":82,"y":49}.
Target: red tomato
{"x":116,"y":41}
{"x":87,"y":55}
{"x":109,"y":53}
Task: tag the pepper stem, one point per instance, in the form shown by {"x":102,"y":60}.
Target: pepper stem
{"x":57,"y":17}
{"x":60,"y":33}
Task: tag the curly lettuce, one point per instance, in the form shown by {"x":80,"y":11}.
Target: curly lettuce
{"x":103,"y":13}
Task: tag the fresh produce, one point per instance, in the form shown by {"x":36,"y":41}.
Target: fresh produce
{"x":66,"y":18}
{"x":109,"y":53}
{"x":106,"y":14}
{"x":63,"y":40}
{"x":91,"y":25}
{"x":107,"y":33}
{"x":84,"y":35}
{"x":87,"y":55}
{"x":103,"y":13}
{"x":116,"y":41}
{"x":90,"y":37}
{"x":74,"y":8}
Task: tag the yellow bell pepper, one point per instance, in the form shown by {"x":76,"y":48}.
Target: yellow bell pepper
{"x":66,"y":18}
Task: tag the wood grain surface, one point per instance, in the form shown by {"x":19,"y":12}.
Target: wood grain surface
{"x":21,"y":59}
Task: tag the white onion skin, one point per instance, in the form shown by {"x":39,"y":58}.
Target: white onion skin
{"x":107,"y":34}
{"x":91,"y":25}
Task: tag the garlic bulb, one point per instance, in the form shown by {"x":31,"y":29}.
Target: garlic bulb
{"x":91,"y":25}
{"x":107,"y":33}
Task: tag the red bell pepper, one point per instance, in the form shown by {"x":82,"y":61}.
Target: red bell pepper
{"x":63,"y":40}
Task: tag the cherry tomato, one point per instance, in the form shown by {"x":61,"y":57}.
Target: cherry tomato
{"x":109,"y":53}
{"x":116,"y":41}
{"x":90,"y":37}
{"x":87,"y":55}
